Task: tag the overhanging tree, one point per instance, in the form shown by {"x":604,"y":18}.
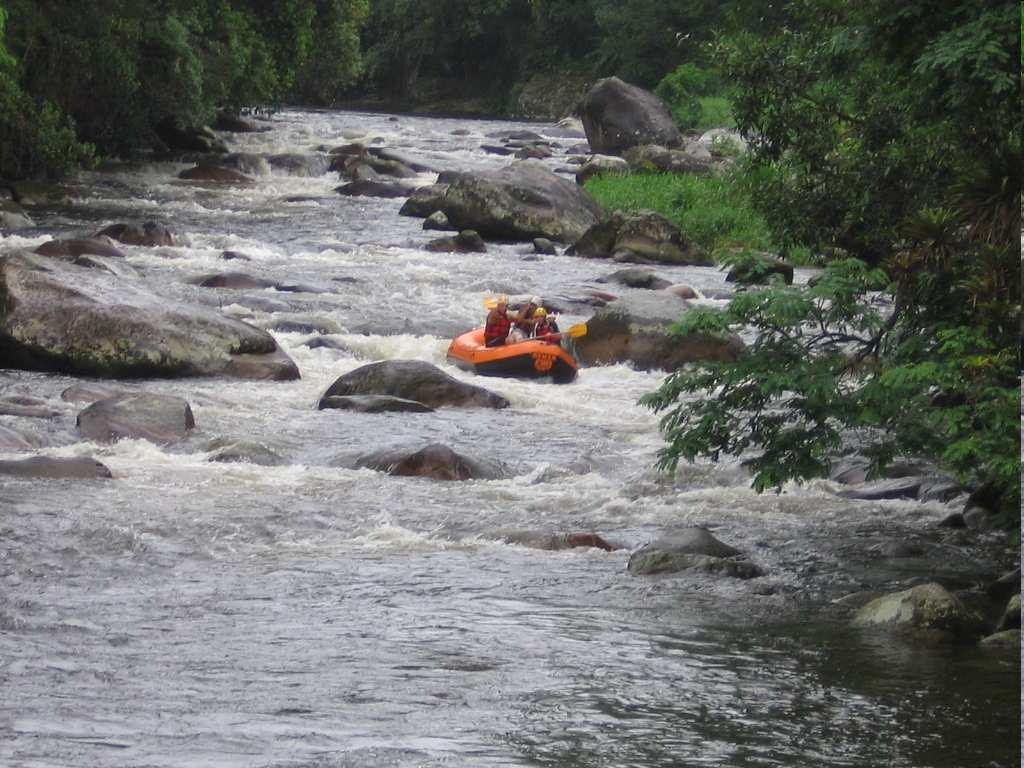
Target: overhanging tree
{"x":889,"y":135}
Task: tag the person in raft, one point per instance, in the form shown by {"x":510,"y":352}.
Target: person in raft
{"x":545,"y":326}
{"x":526,"y":320}
{"x":496,"y":330}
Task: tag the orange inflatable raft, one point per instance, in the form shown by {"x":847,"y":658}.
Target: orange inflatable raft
{"x":531,"y":358}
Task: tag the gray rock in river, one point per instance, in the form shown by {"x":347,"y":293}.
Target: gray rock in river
{"x":1005,"y":642}
{"x":89,"y":393}
{"x":369,"y":188}
{"x":160,"y":419}
{"x":617,"y":115}
{"x":216,"y":174}
{"x":414,"y":380}
{"x":149,"y":233}
{"x":436,"y":461}
{"x":926,"y":608}
{"x":60,"y":317}
{"x":372,"y":404}
{"x":75,"y":247}
{"x":636,"y":328}
{"x":12,"y":439}
{"x":77,"y":468}
{"x":467,"y":241}
{"x":554,"y":542}
{"x":520,"y":202}
{"x":692,"y":549}
{"x":425,"y":201}
{"x":228,"y":451}
{"x":636,"y":277}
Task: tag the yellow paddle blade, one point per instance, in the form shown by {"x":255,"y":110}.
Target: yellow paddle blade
{"x":575,"y":331}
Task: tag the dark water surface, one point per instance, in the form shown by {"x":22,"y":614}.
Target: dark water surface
{"x":190,"y":613}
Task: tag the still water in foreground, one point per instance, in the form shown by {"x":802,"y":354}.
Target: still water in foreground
{"x":190,"y":613}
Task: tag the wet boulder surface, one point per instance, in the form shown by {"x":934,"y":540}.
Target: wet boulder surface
{"x":66,"y":318}
{"x":412,"y":380}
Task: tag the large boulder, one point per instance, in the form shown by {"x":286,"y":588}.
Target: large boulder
{"x":928,"y":608}
{"x":691,"y":549}
{"x":643,"y":236}
{"x":56,"y":468}
{"x":617,"y":116}
{"x":635,"y":328}
{"x":520,"y":202}
{"x":160,"y":419}
{"x":61,"y":317}
{"x":435,"y":461}
{"x":413,"y":380}
{"x":148,"y":233}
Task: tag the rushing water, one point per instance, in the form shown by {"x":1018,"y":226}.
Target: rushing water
{"x":191,"y":613}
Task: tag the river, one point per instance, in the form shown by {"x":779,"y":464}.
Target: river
{"x":193,"y":613}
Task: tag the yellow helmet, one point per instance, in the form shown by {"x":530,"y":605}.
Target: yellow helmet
{"x":540,"y":312}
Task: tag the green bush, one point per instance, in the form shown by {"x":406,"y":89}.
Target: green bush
{"x":694,"y":96}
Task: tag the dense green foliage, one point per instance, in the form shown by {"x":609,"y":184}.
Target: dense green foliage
{"x":80,"y":75}
{"x":889,"y":133}
{"x":485,"y":46}
{"x":714,"y":211}
{"x":691,"y":92}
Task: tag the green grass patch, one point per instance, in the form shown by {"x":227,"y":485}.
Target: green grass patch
{"x":714,"y":211}
{"x":715,"y":112}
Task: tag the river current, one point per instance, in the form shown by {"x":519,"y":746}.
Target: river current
{"x":195,"y":613}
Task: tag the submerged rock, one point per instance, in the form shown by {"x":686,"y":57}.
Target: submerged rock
{"x":227,"y":451}
{"x":370,"y":188}
{"x":160,"y":419}
{"x":555,"y":542}
{"x":435,"y":461}
{"x":636,"y":277}
{"x":467,"y":241}
{"x":148,"y":233}
{"x":75,"y":468}
{"x":413,"y":380}
{"x":926,"y":608}
{"x":692,"y":549}
{"x":75,"y":247}
{"x":215,"y":174}
{"x":372,"y":404}
{"x":15,"y":440}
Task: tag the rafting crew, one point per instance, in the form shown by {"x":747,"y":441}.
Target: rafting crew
{"x":531,"y":321}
